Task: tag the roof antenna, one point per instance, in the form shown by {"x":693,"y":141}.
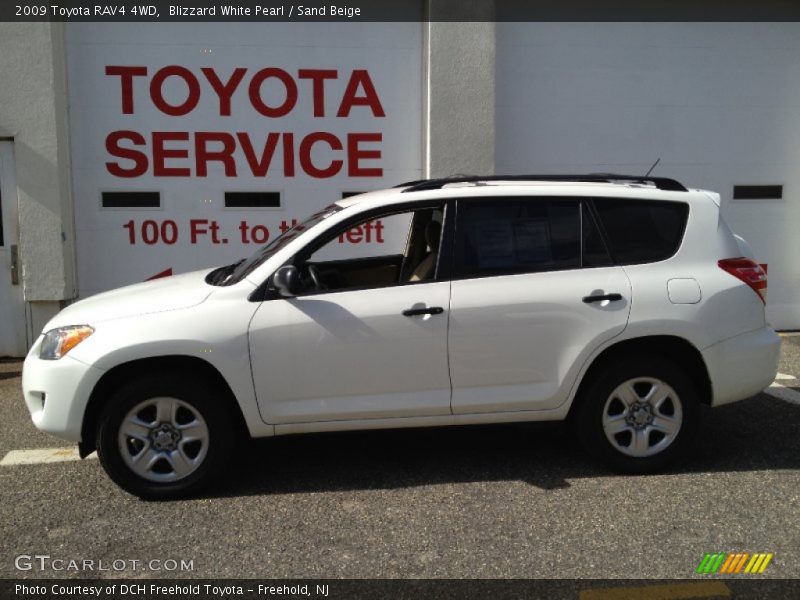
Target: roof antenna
{"x":658,"y":160}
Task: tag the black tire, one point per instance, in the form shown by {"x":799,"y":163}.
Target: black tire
{"x":588,"y":421}
{"x":200,"y":397}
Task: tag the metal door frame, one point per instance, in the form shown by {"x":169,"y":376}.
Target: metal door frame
{"x":9,"y":221}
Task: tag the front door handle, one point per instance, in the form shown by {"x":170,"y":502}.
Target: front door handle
{"x":602,"y":297}
{"x":431,"y":310}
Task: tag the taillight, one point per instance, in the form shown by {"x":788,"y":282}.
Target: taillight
{"x":748,"y":271}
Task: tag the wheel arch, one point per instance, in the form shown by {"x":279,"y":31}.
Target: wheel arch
{"x":676,"y":349}
{"x":170,"y":364}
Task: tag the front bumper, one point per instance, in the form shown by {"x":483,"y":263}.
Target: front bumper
{"x":57,"y":391}
{"x":742,"y":366}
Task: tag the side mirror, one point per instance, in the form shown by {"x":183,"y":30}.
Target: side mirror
{"x":287,"y":281}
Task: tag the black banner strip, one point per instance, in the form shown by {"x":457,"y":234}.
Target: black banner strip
{"x":750,"y":587}
{"x":193,"y":11}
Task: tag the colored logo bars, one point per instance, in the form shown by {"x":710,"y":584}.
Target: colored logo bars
{"x":734,"y":562}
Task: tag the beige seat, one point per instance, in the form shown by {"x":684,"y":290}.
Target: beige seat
{"x":426,"y":267}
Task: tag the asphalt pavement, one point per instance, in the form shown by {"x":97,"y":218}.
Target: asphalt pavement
{"x":515,"y":501}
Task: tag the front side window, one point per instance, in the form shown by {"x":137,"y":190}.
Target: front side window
{"x":508,"y":236}
{"x":394,"y":248}
{"x":238,"y":271}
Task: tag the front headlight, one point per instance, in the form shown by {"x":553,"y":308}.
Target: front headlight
{"x":57,"y":342}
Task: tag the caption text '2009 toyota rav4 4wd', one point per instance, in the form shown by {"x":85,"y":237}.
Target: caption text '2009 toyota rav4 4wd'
{"x":617,"y":303}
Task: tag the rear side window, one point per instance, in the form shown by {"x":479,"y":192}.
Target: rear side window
{"x":499,"y":237}
{"x":642,"y":231}
{"x":595,"y":253}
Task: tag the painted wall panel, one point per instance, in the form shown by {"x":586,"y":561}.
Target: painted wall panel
{"x":719,"y":103}
{"x":309,"y":135}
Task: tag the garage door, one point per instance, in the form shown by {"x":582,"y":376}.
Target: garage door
{"x":193,"y":144}
{"x":717,"y":102}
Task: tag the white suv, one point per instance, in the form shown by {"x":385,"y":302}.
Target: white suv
{"x":619,"y":304}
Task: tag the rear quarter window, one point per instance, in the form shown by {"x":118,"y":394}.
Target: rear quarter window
{"x":642,"y":231}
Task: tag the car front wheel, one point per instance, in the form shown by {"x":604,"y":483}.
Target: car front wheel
{"x":164,"y":437}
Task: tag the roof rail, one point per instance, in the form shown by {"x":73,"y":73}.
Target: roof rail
{"x":662,"y":183}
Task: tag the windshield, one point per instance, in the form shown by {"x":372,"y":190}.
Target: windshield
{"x":237,"y":271}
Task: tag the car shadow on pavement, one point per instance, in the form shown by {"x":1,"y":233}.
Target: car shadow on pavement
{"x":757,"y":434}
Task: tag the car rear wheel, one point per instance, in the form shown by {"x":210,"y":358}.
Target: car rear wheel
{"x":164,"y":437}
{"x":640,"y":415}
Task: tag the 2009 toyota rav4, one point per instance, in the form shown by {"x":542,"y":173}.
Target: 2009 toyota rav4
{"x":619,"y":304}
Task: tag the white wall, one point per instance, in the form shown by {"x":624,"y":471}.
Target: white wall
{"x":460,"y":94}
{"x":718,"y":102}
{"x":33,"y":113}
{"x":390,"y":53}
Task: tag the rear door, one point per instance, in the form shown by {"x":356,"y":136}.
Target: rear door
{"x":534,"y":292}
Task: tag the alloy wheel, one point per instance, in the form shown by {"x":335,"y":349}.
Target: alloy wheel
{"x":163,"y":439}
{"x":642,"y":417}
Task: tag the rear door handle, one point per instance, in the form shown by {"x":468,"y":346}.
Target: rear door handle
{"x":600,"y":298}
{"x":431,"y":310}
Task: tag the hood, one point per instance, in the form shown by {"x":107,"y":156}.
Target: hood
{"x":159,"y":295}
